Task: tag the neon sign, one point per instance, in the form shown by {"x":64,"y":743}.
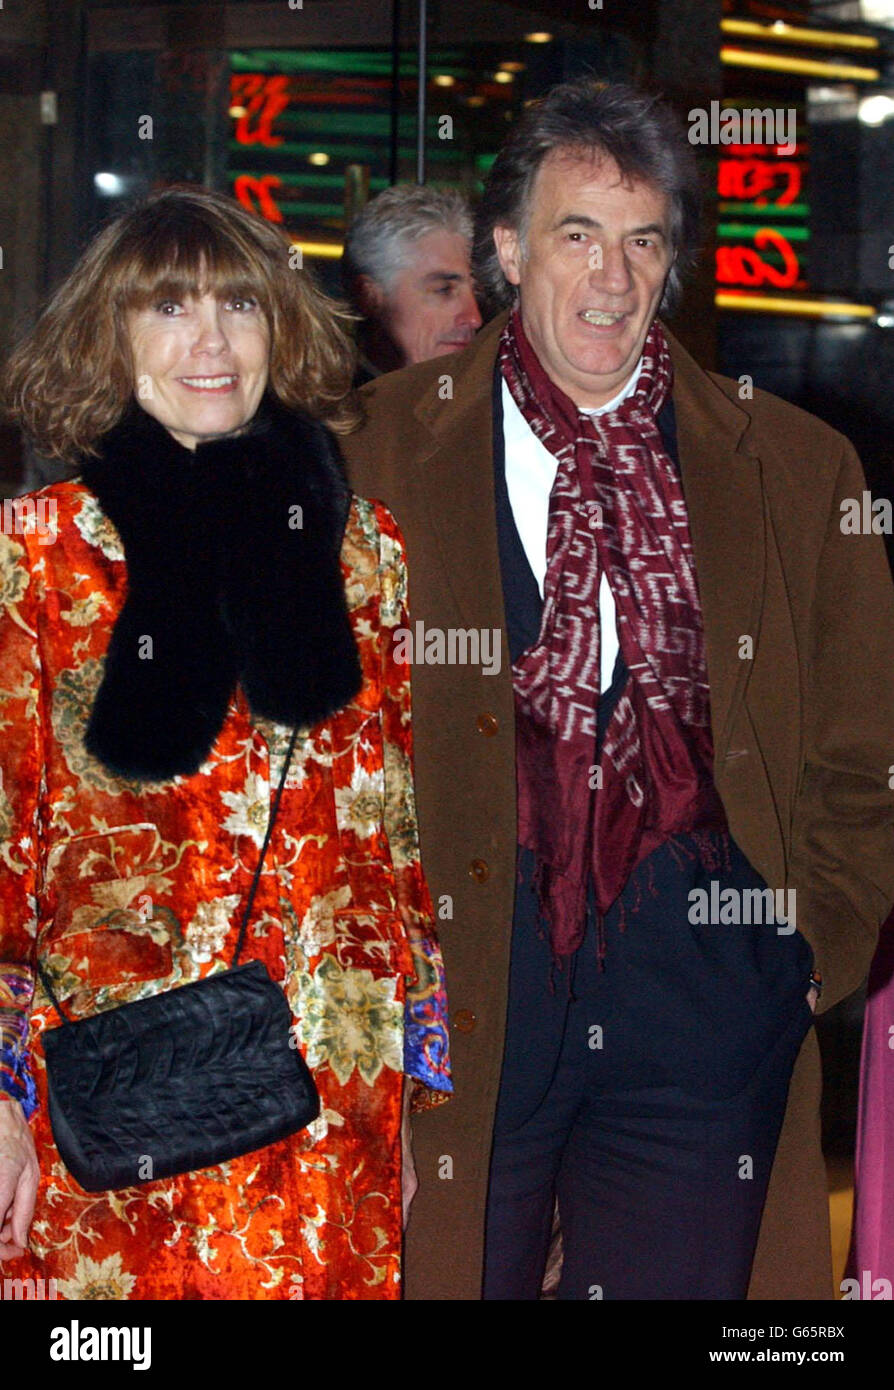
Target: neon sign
{"x":256,"y":194}
{"x":761,"y":191}
{"x":752,"y":179}
{"x":263,"y":99}
{"x":742,"y":265}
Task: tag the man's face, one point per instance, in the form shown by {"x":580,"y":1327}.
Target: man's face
{"x":430,"y":309}
{"x":598,"y":253}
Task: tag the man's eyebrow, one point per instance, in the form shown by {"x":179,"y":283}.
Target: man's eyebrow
{"x":580,"y":219}
{"x":442,"y":275}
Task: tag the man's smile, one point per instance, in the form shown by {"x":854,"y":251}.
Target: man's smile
{"x":601,"y":318}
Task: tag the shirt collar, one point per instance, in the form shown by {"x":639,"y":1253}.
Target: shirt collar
{"x":625,"y":391}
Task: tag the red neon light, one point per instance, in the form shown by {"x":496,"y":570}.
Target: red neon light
{"x":740,"y":265}
{"x":753,"y":179}
{"x":247,"y":185}
{"x":264,"y":98}
{"x":763,"y":151}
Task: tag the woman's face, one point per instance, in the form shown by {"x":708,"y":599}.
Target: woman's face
{"x":200,"y":364}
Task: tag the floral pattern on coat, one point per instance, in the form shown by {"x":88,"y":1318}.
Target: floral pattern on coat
{"x":127,"y":889}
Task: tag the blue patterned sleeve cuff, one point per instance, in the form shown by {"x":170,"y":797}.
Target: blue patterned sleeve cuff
{"x":16,"y":1078}
{"x":16,"y":989}
{"x":426,"y":1039}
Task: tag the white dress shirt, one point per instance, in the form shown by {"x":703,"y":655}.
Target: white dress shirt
{"x":530,"y":473}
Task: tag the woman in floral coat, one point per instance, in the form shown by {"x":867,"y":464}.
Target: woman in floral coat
{"x":206,"y":583}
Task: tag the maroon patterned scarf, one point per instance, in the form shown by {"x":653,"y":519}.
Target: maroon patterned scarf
{"x":616,"y":505}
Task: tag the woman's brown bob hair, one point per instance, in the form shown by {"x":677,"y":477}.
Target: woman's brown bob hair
{"x":71,"y":379}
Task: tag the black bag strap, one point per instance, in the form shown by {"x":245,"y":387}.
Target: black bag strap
{"x":263,"y":855}
{"x":252,"y":892}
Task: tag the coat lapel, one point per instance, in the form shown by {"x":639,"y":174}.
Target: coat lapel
{"x":724,"y":499}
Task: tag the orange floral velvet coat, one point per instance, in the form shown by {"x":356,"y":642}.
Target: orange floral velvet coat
{"x":127,"y":889}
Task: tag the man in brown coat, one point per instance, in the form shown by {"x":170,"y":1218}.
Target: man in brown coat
{"x":655,"y":814}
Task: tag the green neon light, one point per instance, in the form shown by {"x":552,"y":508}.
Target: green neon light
{"x":375,"y":123}
{"x":375,"y":62}
{"x":307,"y":180}
{"x":364,"y":154}
{"x":306,"y":210}
{"x":740,"y":230}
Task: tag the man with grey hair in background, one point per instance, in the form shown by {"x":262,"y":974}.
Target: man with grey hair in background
{"x":406,"y":270}
{"x":665,"y":827}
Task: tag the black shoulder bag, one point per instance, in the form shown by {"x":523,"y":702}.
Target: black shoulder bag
{"x":183,"y":1080}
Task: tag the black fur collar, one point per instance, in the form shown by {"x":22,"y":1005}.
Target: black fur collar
{"x":233,"y":574}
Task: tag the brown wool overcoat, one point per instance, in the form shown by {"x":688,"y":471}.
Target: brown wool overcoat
{"x":803,"y":735}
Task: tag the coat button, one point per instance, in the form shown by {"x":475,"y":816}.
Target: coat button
{"x":464,"y":1020}
{"x":479,"y":870}
{"x":488,"y":724}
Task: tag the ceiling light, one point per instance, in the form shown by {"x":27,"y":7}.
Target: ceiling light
{"x":772,"y":62}
{"x":109,"y":184}
{"x":875,"y":110}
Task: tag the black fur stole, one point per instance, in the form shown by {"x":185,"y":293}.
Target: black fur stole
{"x":233,"y":574}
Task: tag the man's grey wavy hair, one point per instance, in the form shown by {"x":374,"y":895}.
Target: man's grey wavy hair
{"x":377,"y":240}
{"x":640,"y":132}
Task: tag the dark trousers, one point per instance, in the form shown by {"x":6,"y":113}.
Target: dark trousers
{"x":647,"y":1098}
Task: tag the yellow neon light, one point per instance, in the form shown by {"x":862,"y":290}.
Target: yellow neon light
{"x":808,"y":308}
{"x":326,"y":249}
{"x":790,"y":33}
{"x":744,"y":58}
